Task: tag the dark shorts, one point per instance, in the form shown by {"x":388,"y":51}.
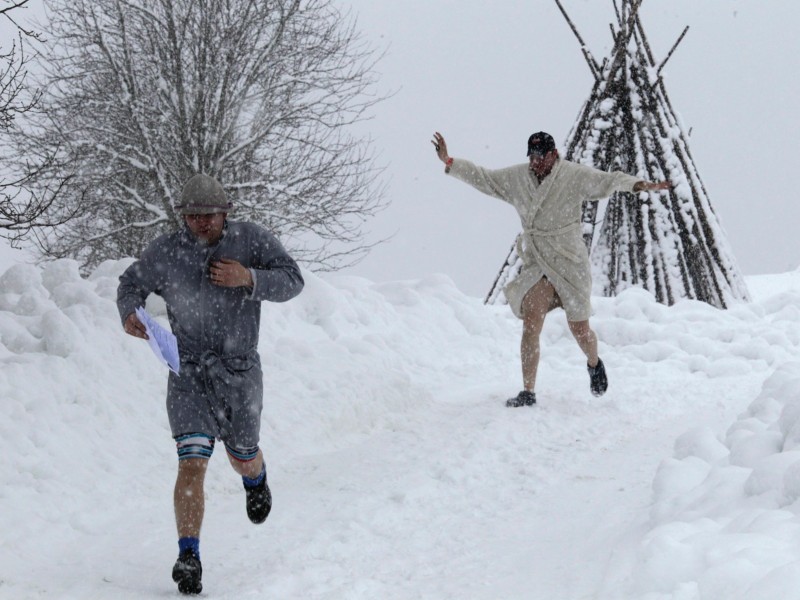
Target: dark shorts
{"x":221,"y":398}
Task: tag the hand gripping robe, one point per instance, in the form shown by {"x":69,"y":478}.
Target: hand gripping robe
{"x":551,"y":243}
{"x":219,"y":390}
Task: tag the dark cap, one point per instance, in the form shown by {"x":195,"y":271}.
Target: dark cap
{"x":540,"y":143}
{"x":203,"y":195}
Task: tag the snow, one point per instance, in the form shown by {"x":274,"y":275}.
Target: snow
{"x":396,"y":470}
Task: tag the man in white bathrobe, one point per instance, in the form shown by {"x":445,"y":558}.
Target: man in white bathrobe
{"x":548,"y":193}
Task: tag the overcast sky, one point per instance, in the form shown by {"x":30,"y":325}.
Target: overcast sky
{"x":488,"y":74}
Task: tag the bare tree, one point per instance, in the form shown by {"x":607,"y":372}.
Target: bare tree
{"x":141,"y":94}
{"x":21,"y":208}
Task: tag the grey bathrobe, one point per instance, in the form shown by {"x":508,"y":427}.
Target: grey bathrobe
{"x":550,"y":212}
{"x":219,"y":390}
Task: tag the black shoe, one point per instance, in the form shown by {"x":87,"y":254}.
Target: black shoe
{"x":524,"y":398}
{"x":598,"y":382}
{"x":259,"y":502}
{"x":187,"y":573}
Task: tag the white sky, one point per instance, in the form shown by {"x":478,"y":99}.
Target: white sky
{"x":487,"y":75}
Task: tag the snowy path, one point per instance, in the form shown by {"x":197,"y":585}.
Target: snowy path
{"x":397,"y":471}
{"x":459,"y":500}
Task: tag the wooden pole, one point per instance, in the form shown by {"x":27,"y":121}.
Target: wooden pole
{"x":674,"y":46}
{"x":593,"y":66}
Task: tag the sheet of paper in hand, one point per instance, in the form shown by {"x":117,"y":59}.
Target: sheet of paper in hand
{"x":162,"y":341}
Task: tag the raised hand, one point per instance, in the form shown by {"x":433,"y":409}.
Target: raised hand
{"x":441,"y":147}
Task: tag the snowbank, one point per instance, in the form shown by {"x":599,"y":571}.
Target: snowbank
{"x":396,"y":470}
{"x":726,"y":516}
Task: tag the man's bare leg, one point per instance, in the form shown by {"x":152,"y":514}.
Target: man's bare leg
{"x":586,"y":339}
{"x":189,"y":508}
{"x":188,"y":496}
{"x":535,"y":305}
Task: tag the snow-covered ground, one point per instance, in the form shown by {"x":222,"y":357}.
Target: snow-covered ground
{"x":396,"y":470}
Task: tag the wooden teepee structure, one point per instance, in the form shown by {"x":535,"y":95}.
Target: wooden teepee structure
{"x":669,"y":243}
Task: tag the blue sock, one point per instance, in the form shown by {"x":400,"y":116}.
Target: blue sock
{"x":190,"y":543}
{"x":251,"y":483}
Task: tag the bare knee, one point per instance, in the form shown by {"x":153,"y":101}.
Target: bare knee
{"x":245,"y":461}
{"x":532,"y":325}
{"x":580,"y":329}
{"x":191,"y":470}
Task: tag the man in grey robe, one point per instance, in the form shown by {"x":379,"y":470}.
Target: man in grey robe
{"x":213,"y":275}
{"x":548,"y":193}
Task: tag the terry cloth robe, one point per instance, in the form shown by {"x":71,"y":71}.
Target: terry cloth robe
{"x":219,"y":389}
{"x":550,"y":213}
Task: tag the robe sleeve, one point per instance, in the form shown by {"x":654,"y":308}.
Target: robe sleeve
{"x":596,"y":184}
{"x":493,"y":182}
{"x":276,"y":276}
{"x":138,"y":281}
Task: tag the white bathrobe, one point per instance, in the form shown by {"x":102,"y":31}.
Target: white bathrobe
{"x":550,"y":212}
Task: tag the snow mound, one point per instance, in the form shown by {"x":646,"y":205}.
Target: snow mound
{"x":725,"y":522}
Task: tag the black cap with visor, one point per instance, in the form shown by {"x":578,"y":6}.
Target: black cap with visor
{"x":540,"y":143}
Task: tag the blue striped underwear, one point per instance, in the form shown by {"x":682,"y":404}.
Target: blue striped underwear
{"x":242,"y":454}
{"x":194,"y":445}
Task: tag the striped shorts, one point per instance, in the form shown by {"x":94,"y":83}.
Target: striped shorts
{"x":200,"y":445}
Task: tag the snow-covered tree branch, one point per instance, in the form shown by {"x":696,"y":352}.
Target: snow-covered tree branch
{"x":22,"y":209}
{"x":140,"y":95}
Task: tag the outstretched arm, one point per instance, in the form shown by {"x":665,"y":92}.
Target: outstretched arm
{"x":649,"y":186}
{"x":493,"y":182}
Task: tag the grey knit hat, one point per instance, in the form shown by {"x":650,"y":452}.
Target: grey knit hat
{"x":203,"y":195}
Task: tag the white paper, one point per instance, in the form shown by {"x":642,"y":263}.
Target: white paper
{"x":162,"y":341}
